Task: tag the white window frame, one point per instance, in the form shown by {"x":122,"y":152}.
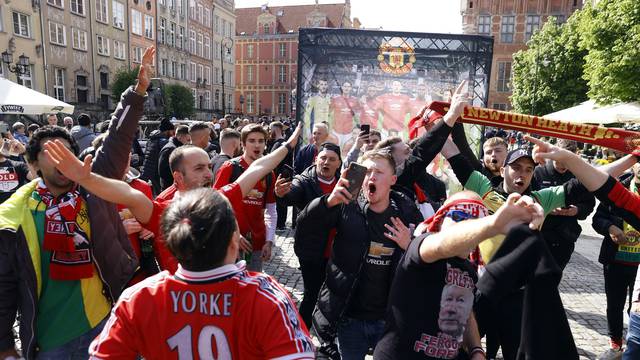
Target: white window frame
{"x":207,"y":48}
{"x":192,"y":9}
{"x":118,"y":10}
{"x":102,"y":42}
{"x":207,"y":99}
{"x":137,"y":54}
{"x":282,"y":49}
{"x":56,"y":3}
{"x":172,"y":34}
{"x":58,"y":84}
{"x":55,"y":37}
{"x":250,"y":103}
{"x":250,"y":51}
{"x":77,"y":4}
{"x":503,"y":81}
{"x":199,"y":11}
{"x":136,"y":22}
{"x":250,"y":73}
{"x":192,"y":41}
{"x":182,"y":75}
{"x":180,"y":42}
{"x":207,"y":74}
{"x":216,"y":75}
{"x":164,"y":67}
{"x":484,"y":25}
{"x":26,"y":78}
{"x":200,"y":45}
{"x":148,"y":26}
{"x":507,"y":29}
{"x":282,"y":103}
{"x":78,"y":39}
{"x":1,"y":27}
{"x":119,"y":50}
{"x":174,"y":69}
{"x":216,"y":24}
{"x":200,"y":72}
{"x":192,"y":71}
{"x":162,"y":24}
{"x":531,"y":26}
{"x":23,"y":19}
{"x":102,"y":11}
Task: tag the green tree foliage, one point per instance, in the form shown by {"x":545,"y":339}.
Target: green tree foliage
{"x":547,"y":77}
{"x":178,"y":101}
{"x":122,"y":79}
{"x":612,"y":37}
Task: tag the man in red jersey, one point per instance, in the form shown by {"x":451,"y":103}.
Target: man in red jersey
{"x":421,"y":98}
{"x":257,"y":216}
{"x":343,"y":109}
{"x":369,"y":107}
{"x":395,"y":107}
{"x":212,"y":307}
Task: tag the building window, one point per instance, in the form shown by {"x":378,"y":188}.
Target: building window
{"x":250,"y":51}
{"x":104,"y":101}
{"x":560,"y":19}
{"x":119,"y":51}
{"x":104,"y":80}
{"x":484,"y":24}
{"x":57,"y":3}
{"x":21,"y":24}
{"x":199,"y":12}
{"x":200,"y":71}
{"x":229,"y":32}
{"x":507,"y":28}
{"x":266,"y":28}
{"x":103,"y":45}
{"x":207,"y":47}
{"x":174,"y":69}
{"x":249,"y":73}
{"x":180,"y":43}
{"x":502,"y":107}
{"x":282,"y":73}
{"x":162,"y":2}
{"x":192,"y":9}
{"x":250,"y":103}
{"x":207,"y":75}
{"x":207,"y":99}
{"x":205,"y":17}
{"x":282,"y":103}
{"x":533,"y":25}
{"x":229,"y":98}
{"x":223,"y":25}
{"x":1,"y":24}
{"x":229,"y":78}
{"x":25,"y":79}
{"x":182,"y":71}
{"x":200,"y":47}
{"x":216,"y":75}
{"x":283,"y":49}
{"x":148,"y":26}
{"x":192,"y":41}
{"x":57,"y":34}
{"x":216,"y":24}
{"x":81,"y":89}
{"x":77,"y":7}
{"x":164,"y":67}
{"x":118,"y":16}
{"x":58,"y":86}
{"x":504,"y":76}
{"x":163,"y":25}
{"x":136,"y":21}
{"x":137,"y":55}
{"x":102,"y":12}
{"x":79,"y":39}
{"x":172,"y":34}
{"x":216,"y":50}
{"x":192,"y":72}
{"x":216,"y":100}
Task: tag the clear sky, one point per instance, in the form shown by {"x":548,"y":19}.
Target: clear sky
{"x":434,"y":16}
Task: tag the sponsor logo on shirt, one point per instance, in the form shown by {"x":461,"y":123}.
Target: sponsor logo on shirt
{"x":379,"y":254}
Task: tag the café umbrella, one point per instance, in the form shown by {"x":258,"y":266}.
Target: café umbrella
{"x":18,"y":99}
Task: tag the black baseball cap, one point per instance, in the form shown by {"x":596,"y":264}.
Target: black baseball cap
{"x":516,"y":154}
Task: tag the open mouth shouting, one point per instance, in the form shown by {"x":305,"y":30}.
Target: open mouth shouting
{"x":371,"y":189}
{"x":519,"y":183}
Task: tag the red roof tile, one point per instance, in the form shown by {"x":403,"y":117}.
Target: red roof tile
{"x":293,"y":17}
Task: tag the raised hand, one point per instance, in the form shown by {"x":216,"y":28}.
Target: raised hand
{"x":398,"y":233}
{"x":293,"y":139}
{"x":459,"y":100}
{"x":146,"y":70}
{"x":283,"y":186}
{"x":543,"y":151}
{"x":66,"y":162}
{"x":340,"y":193}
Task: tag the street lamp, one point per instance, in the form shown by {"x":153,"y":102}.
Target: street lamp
{"x":21,"y":67}
{"x":227,"y":43}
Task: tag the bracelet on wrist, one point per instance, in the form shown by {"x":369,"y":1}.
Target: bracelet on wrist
{"x":477,"y":349}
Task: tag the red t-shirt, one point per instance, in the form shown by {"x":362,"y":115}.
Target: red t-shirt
{"x":165,"y":258}
{"x":369,"y":113}
{"x":394,"y":109}
{"x":250,"y":212}
{"x":144,"y":188}
{"x":343,"y":110}
{"x":224,"y":313}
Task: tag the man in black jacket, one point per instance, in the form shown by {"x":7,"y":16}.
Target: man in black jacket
{"x":157,"y":140}
{"x":182,"y":137}
{"x":619,"y":257}
{"x":561,"y":229}
{"x":372,"y":233}
{"x":311,"y":248}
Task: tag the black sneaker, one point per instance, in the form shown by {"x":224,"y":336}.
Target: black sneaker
{"x":328,"y":352}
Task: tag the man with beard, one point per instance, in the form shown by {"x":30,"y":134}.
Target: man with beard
{"x":369,"y":108}
{"x":318,"y":105}
{"x":343,"y":109}
{"x":494,"y":151}
{"x":312,"y":250}
{"x":394,"y":107}
{"x":421,"y":98}
{"x":257,"y":217}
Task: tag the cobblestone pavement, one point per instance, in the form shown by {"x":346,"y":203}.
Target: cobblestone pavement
{"x":582,"y":288}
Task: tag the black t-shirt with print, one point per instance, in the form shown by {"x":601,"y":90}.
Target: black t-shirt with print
{"x":372,"y":291}
{"x":13,"y":174}
{"x":429,"y":305}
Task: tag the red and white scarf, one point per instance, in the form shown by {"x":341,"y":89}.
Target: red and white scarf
{"x":473,"y":207}
{"x":68,"y":244}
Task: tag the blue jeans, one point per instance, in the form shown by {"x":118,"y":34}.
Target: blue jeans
{"x":356,"y":337}
{"x":76,"y":349}
{"x":633,"y":338}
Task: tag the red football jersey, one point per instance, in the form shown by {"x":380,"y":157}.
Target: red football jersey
{"x":369,"y":113}
{"x":224,"y":313}
{"x":250,"y":212}
{"x":165,"y":258}
{"x":168,"y":193}
{"x":395,"y":109}
{"x":343,"y":110}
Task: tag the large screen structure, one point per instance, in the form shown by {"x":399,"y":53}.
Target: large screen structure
{"x":350,"y":77}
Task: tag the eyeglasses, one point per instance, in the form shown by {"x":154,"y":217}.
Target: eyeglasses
{"x":459,"y":215}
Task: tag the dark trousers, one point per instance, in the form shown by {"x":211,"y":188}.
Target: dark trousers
{"x":282,"y":214}
{"x":618,"y":286}
{"x":501,"y":324}
{"x":313,"y":274}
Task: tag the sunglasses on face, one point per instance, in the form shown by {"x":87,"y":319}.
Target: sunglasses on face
{"x":459,"y":215}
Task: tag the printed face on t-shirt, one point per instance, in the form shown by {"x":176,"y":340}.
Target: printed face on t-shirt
{"x":455,"y":307}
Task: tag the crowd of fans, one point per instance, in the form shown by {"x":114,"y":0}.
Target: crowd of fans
{"x":400,"y":266}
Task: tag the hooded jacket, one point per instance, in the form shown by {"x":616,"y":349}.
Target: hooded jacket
{"x":114,"y":258}
{"x":83,"y":136}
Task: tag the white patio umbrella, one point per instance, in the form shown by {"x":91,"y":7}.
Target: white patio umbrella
{"x":18,"y":99}
{"x":590,"y":113}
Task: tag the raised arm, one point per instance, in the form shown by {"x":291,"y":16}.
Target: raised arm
{"x":263,"y":166}
{"x":111,"y":190}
